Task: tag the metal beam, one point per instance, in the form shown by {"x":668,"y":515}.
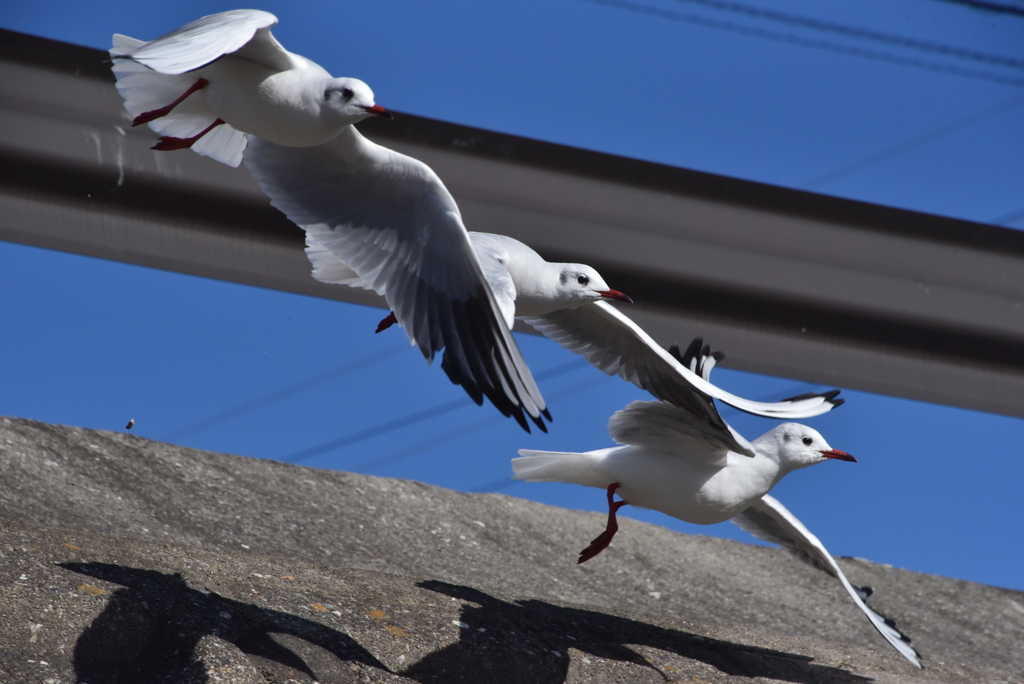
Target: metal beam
{"x":787,"y":282}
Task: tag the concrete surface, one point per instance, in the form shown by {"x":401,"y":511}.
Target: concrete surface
{"x":120,"y":557}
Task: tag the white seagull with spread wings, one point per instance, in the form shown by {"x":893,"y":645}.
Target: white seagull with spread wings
{"x":380,"y":220}
{"x":208,"y":83}
{"x":692,"y":465}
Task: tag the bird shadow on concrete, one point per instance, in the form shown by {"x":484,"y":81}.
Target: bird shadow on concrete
{"x":149,"y":631}
{"x":528,"y":642}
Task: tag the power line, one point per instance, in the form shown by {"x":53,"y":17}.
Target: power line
{"x":1007,"y":219}
{"x":699,"y":20}
{"x":408,"y":419}
{"x":374,"y":431}
{"x":283,"y":393}
{"x":996,"y":7}
{"x":405,"y":452}
{"x":932,"y":136}
{"x":857,"y":32}
{"x":461,"y":431}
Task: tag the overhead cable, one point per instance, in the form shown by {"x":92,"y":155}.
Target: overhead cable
{"x":1007,"y":219}
{"x":408,"y":419}
{"x":699,"y":20}
{"x":284,"y":393}
{"x":459,"y":432}
{"x":858,"y":32}
{"x":920,"y":140}
{"x":986,"y":6}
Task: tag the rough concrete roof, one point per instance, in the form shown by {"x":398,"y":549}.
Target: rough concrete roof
{"x":128,"y":549}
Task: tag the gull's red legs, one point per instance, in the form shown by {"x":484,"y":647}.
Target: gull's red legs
{"x":605,"y":538}
{"x":387,"y":322}
{"x":168,"y":143}
{"x":146,"y":117}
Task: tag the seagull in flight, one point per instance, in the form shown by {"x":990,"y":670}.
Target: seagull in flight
{"x":383,"y":221}
{"x":523,"y":283}
{"x":692,"y":465}
{"x":377,"y":219}
{"x":570,"y":304}
{"x":207,"y":84}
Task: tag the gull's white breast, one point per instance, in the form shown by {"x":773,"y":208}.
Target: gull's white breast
{"x":688,"y":489}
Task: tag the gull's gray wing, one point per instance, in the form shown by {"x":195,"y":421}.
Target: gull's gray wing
{"x":612,"y":342}
{"x":202,"y":41}
{"x":662,"y":426}
{"x":490,"y":253}
{"x":327,"y":268}
{"x":770,"y":521}
{"x":390,"y":220}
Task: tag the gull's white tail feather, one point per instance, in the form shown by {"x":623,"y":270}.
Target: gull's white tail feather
{"x":224,"y":144}
{"x":144,"y":90}
{"x":554,"y":466}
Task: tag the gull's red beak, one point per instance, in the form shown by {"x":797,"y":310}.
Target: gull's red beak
{"x":614,"y":294}
{"x":841,"y":455}
{"x":379,"y":111}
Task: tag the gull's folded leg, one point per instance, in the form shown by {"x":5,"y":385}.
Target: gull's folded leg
{"x":604,"y":539}
{"x":154,"y":114}
{"x":168,"y":143}
{"x":386,"y":322}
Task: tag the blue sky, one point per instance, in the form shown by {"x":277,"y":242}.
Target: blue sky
{"x":796,"y":98}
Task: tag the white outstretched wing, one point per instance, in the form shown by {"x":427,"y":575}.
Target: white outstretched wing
{"x":389,"y":219}
{"x":665,"y":427}
{"x":327,"y":268}
{"x":612,"y":342}
{"x":200,"y":42}
{"x":770,"y":521}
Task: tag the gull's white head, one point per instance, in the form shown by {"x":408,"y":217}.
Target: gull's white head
{"x":579,"y":284}
{"x":349,"y":100}
{"x":798,"y":446}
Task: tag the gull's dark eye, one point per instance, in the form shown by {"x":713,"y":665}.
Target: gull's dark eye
{"x":347,"y":93}
{"x":583,"y":280}
{"x":807,"y":441}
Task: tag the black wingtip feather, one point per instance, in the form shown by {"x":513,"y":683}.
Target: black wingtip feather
{"x":827,"y":396}
{"x":693,"y":351}
{"x":832,"y":394}
{"x":892,"y":623}
{"x":695,"y":355}
{"x":480,"y":379}
{"x":469,"y":386}
{"x":801,"y":397}
{"x":521,"y":419}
